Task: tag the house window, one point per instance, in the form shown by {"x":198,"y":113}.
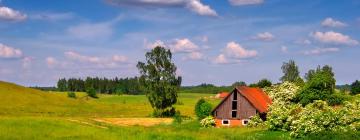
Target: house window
{"x":233,"y":114}
{"x":215,"y":114}
{"x":245,"y":121}
{"x":234,"y":105}
{"x":225,"y":122}
{"x":235,"y":96}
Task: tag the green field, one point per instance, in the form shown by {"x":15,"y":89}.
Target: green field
{"x":32,"y":114}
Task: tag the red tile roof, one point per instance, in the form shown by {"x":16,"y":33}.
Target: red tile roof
{"x":256,"y":96}
{"x":223,"y":94}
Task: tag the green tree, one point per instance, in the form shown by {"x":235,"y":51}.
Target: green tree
{"x":320,"y":86}
{"x":264,"y":83}
{"x":202,"y":109}
{"x":291,"y":71}
{"x":91,"y":93}
{"x":355,"y":87}
{"x":159,"y":80}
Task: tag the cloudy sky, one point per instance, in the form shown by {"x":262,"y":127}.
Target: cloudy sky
{"x":213,"y":41}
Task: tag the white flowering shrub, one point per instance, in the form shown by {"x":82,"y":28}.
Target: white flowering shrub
{"x":256,"y":121}
{"x":207,"y":122}
{"x":318,"y":117}
{"x":282,"y":111}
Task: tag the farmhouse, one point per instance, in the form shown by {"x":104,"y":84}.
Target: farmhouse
{"x":240,"y":105}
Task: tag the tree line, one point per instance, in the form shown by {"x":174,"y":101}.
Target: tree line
{"x":101,"y":85}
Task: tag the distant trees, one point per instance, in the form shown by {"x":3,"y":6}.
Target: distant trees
{"x":355,"y":87}
{"x":262,"y":83}
{"x":158,"y":77}
{"x":205,"y":88}
{"x":239,"y":83}
{"x":101,"y":85}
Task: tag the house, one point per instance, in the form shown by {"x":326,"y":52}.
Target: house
{"x":221,"y":95}
{"x":240,"y":105}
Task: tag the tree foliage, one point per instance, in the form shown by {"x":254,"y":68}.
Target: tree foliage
{"x":239,"y":83}
{"x":91,"y":93}
{"x":355,"y":87}
{"x":158,"y":77}
{"x":262,"y":83}
{"x":202,"y":109}
{"x":320,"y":86}
{"x":291,"y":71}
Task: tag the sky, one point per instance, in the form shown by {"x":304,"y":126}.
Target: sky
{"x":212,"y":41}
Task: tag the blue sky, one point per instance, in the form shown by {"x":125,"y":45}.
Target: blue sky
{"x":213,"y":41}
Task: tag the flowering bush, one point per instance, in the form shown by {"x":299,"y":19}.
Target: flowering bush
{"x":318,"y":117}
{"x":256,"y":121}
{"x":207,"y":122}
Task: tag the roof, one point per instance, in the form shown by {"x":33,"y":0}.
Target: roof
{"x":222,"y":94}
{"x":255,"y":96}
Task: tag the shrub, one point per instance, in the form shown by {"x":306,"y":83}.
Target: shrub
{"x":207,"y":122}
{"x":202,"y":109}
{"x":256,"y":121}
{"x":91,"y":93}
{"x":336,"y":99}
{"x":177,"y":118}
{"x":71,"y":95}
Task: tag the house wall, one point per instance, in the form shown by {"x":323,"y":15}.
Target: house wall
{"x":244,"y":109}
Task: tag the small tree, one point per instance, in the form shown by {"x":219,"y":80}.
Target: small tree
{"x":158,"y":77}
{"x":202,"y":109}
{"x":264,"y":83}
{"x":291,"y":71}
{"x":71,"y":95}
{"x":91,"y":93}
{"x":355,"y":87}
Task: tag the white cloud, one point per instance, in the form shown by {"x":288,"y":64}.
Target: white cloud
{"x":194,"y":56}
{"x":234,"y":53}
{"x":334,"y":38}
{"x":199,"y":8}
{"x":266,"y":36}
{"x":318,"y":51}
{"x":221,"y":59}
{"x":330,"y":22}
{"x":303,"y":42}
{"x":193,"y":5}
{"x":235,"y":50}
{"x":183,"y":45}
{"x":119,"y":58}
{"x":9,"y":52}
{"x":245,"y":2}
{"x":7,"y":13}
{"x":97,"y":62}
{"x":51,"y":61}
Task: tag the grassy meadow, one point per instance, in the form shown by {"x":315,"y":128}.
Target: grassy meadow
{"x":34,"y":115}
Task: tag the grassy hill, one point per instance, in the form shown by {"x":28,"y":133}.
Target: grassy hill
{"x":19,"y":100}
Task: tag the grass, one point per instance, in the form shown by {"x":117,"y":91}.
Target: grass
{"x":55,"y":128}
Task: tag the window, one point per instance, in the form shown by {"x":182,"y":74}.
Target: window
{"x":234,"y":105}
{"x":233,"y":114}
{"x":235,"y":96}
{"x":215,"y":114}
{"x":245,"y":121}
{"x":225,"y":122}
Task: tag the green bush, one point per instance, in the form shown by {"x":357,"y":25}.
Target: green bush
{"x":336,"y":99}
{"x":202,"y":109}
{"x":91,"y":93}
{"x":71,"y":95}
